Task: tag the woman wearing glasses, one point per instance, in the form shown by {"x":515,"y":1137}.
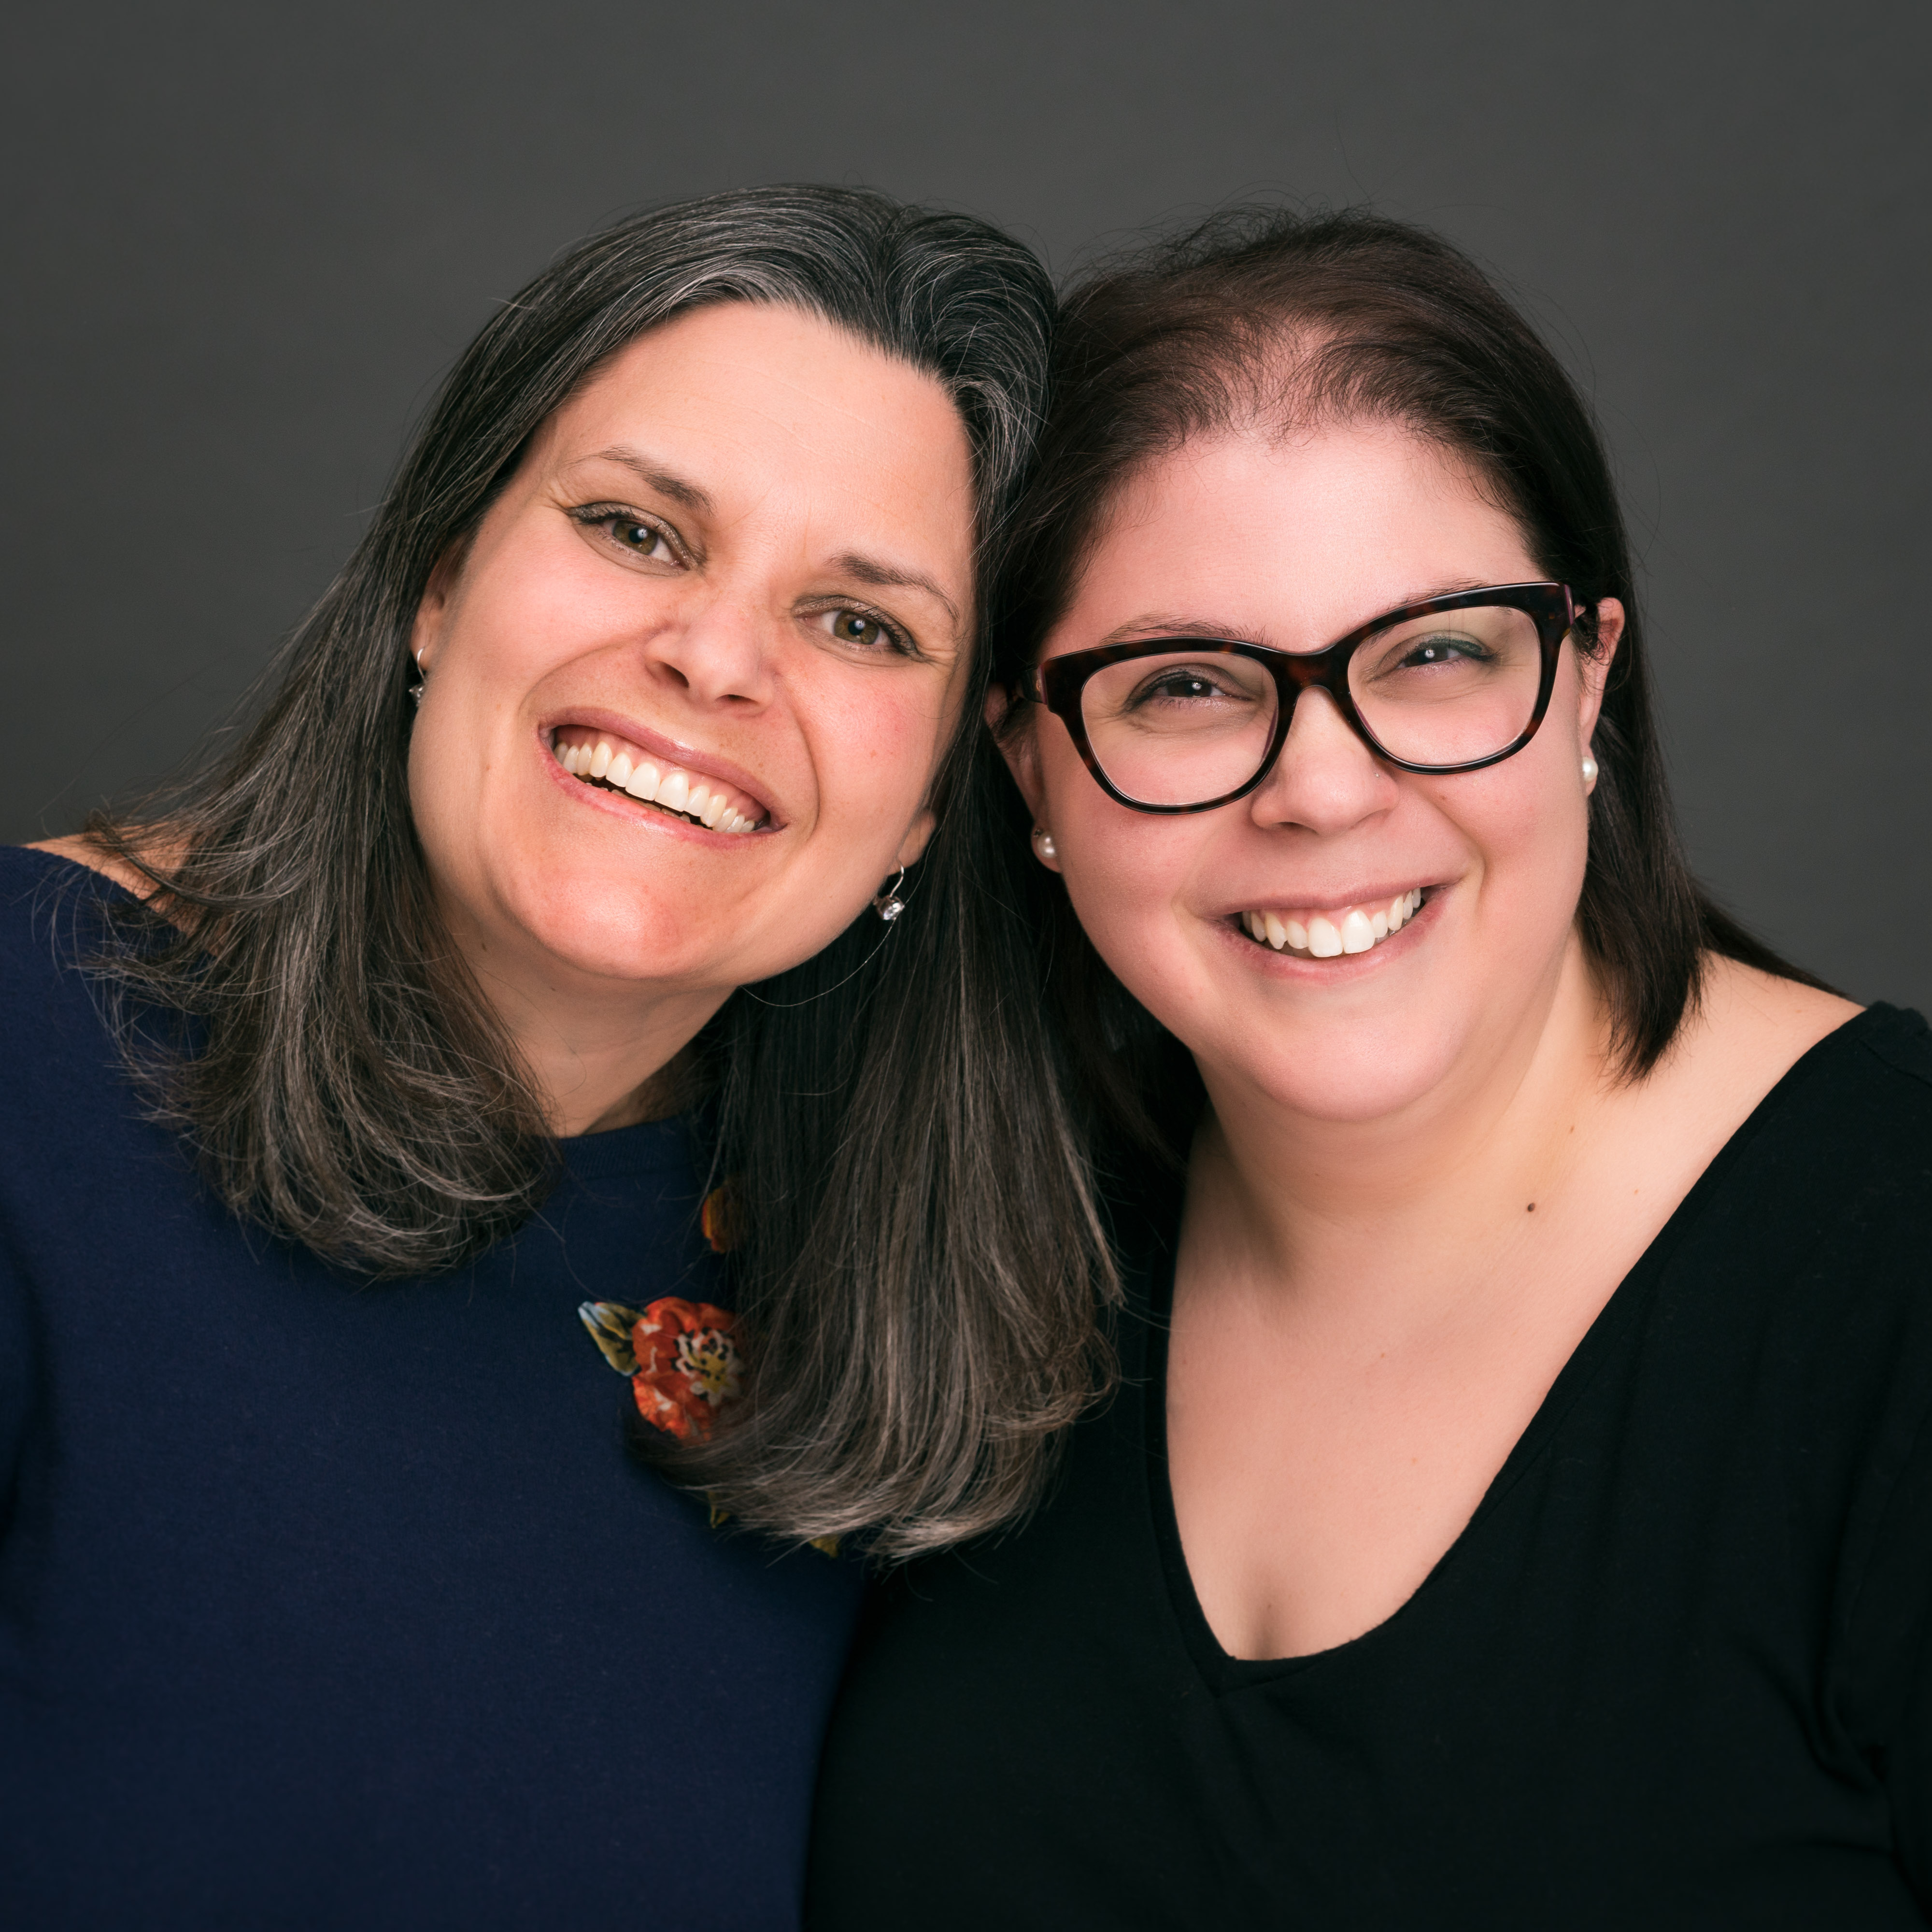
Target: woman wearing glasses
{"x":1516,"y":1506}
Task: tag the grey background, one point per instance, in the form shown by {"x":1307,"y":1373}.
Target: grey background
{"x":242,"y":242}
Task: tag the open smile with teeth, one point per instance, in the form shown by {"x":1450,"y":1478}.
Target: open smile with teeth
{"x":1326,"y":935}
{"x":609,"y":763}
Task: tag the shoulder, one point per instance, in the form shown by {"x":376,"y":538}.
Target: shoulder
{"x":1828,"y":1182}
{"x":1753,"y":1028}
{"x":45,"y":893}
{"x":1810,"y":1121}
{"x":78,"y":850}
{"x":67,"y":1110}
{"x":54,"y":921}
{"x":1761,"y":1053}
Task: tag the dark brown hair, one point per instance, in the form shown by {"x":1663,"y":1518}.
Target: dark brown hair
{"x":919,"y":1250}
{"x":1260,"y":314}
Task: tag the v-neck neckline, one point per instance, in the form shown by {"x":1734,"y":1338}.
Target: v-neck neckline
{"x":1628,"y":1302}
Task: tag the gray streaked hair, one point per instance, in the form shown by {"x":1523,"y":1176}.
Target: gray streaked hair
{"x":921,"y":1251}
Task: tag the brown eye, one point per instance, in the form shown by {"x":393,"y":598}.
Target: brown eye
{"x":626,"y":530}
{"x":641,"y":538}
{"x":863,"y":630}
{"x":854,"y":627}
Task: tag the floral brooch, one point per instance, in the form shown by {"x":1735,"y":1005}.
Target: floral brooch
{"x":681,"y":1356}
{"x":683,"y":1365}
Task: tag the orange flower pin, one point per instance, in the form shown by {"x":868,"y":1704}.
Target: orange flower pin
{"x":680,"y":1357}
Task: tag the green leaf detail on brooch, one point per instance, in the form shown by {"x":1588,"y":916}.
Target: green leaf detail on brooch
{"x":610,"y":1323}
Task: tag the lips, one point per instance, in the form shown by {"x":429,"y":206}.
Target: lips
{"x":611,"y":761}
{"x":1332,"y":931}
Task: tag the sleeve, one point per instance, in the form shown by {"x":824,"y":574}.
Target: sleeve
{"x":20,"y":1377}
{"x":1887,"y":1684}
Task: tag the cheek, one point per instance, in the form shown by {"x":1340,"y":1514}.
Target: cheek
{"x":1526,"y":823}
{"x":1125,"y":872}
{"x":874,"y":742}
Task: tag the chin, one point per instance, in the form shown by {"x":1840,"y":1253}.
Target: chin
{"x":622,"y":929}
{"x":1341,"y":1071}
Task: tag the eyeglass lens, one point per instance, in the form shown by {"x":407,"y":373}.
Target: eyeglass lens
{"x":1184,"y":726}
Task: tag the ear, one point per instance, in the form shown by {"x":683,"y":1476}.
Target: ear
{"x":1595,"y":667}
{"x":919,"y":836}
{"x":433,"y":610}
{"x":1019,"y":748}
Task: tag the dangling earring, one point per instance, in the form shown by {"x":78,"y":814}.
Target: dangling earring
{"x":1042,"y":841}
{"x":889,"y":905}
{"x":1589,"y":769}
{"x":416,"y":689}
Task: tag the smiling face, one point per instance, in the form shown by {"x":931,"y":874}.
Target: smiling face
{"x":1349,"y":939}
{"x":740,"y":559}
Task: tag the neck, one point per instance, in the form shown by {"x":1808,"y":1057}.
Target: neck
{"x":601,"y":1052}
{"x":595,"y":1070}
{"x":1405,"y":1205}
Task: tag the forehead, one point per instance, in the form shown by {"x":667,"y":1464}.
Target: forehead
{"x":771,"y":382}
{"x":1291,"y":539}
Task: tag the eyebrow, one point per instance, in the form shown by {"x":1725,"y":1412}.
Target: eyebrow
{"x":868,"y":570}
{"x":665,"y":482}
{"x":1153,"y":626}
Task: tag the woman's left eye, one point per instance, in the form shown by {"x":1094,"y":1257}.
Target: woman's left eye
{"x":865,"y":630}
{"x":1441,"y":649}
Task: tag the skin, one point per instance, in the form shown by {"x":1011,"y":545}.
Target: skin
{"x":1419,"y":1178}
{"x":778,"y":594}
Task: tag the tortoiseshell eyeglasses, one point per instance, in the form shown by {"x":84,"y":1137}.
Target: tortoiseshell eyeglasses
{"x":1187,"y":724}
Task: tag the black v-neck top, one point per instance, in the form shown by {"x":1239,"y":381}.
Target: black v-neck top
{"x":1674,"y":1673}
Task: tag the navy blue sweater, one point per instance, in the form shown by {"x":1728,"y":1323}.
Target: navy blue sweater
{"x":328,"y":1604}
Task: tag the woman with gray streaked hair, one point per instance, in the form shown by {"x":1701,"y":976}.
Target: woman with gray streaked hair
{"x":540,"y":940}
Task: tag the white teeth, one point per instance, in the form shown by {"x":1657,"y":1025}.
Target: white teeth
{"x":1356,"y":931}
{"x":676,"y":790}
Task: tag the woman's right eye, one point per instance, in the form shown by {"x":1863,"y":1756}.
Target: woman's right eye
{"x":628,"y":532}
{"x":1181,"y":684}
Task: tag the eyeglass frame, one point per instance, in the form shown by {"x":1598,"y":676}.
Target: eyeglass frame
{"x":1058,"y":682}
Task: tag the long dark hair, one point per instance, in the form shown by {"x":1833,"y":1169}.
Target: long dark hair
{"x":1264,"y":313}
{"x":919,"y":1252}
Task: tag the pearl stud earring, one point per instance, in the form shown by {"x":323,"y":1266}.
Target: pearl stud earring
{"x":1589,"y":769}
{"x":1043,"y":844}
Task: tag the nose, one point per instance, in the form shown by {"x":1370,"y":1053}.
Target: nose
{"x":1326,"y":778}
{"x":718,"y":652}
